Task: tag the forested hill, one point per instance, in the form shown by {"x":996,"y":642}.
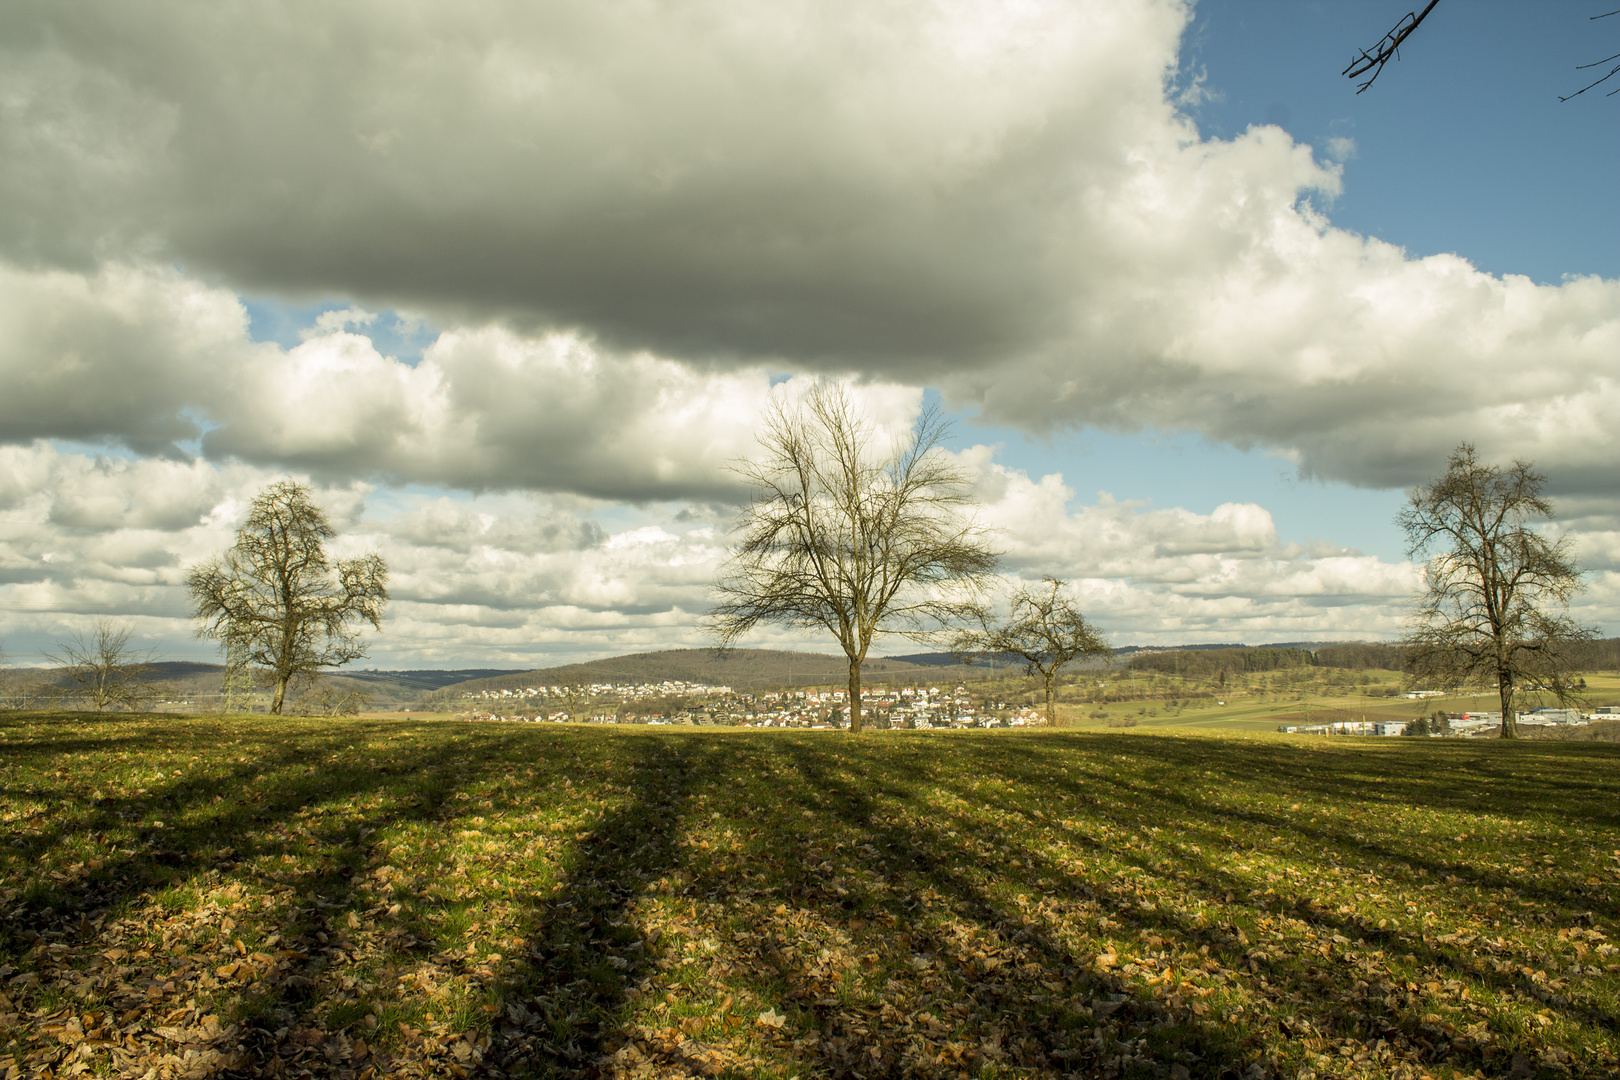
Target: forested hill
{"x":188,"y":677}
{"x":423,"y":679}
{"x":739,"y":668}
{"x":1205,"y":662}
{"x":1201,"y":661}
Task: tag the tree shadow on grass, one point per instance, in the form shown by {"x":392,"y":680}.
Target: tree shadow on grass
{"x":1366,"y":998}
{"x":960,"y":858}
{"x":976,"y":975}
{"x":907,"y":915}
{"x":188,"y":837}
{"x":293,"y":825}
{"x":587,"y":957}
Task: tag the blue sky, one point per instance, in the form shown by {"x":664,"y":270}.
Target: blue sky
{"x":1461,"y":145}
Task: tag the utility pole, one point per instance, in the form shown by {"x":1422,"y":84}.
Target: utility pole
{"x":237,"y":691}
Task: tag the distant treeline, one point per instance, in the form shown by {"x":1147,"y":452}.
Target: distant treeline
{"x":1201,"y":663}
{"x":1601,"y":655}
{"x":1359,"y":656}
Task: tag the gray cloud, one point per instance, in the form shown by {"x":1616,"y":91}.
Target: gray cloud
{"x":458,"y":528}
{"x":121,"y":354}
{"x":836,"y":184}
{"x":152,"y":360}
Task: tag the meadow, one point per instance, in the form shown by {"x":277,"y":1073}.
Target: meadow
{"x":203,"y":896}
{"x":1309,"y":696}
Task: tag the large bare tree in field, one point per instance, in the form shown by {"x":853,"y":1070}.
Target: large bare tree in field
{"x":1044,"y":629}
{"x":101,"y":669}
{"x":278,"y":599}
{"x":1495,"y":609}
{"x":850,"y":537}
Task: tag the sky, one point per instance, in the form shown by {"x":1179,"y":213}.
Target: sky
{"x":510,"y":285}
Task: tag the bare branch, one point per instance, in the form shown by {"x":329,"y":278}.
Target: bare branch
{"x":1597,"y":63}
{"x":1388,"y":47}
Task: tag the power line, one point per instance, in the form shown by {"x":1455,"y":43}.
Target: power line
{"x":83,"y":607}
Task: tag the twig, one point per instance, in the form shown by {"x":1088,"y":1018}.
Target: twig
{"x":1388,"y":46}
{"x":1612,"y":71}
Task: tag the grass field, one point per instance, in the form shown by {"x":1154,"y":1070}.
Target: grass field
{"x":382,"y":897}
{"x":1244,"y":711}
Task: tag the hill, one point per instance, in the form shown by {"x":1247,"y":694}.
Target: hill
{"x":424,"y":679}
{"x":181,"y":678}
{"x":1602,"y":654}
{"x":1310,"y":646}
{"x":738,"y":668}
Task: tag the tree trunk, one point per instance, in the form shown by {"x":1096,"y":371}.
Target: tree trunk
{"x":854,"y":694}
{"x":1510,"y":722}
{"x":281,"y":696}
{"x":1051,"y":709}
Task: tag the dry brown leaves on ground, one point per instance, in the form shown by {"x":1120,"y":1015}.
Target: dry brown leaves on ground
{"x":185,"y":898}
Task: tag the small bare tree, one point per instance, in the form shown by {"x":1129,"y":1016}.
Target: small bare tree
{"x":101,"y":669}
{"x":842,"y":536}
{"x":335,"y":700}
{"x":1498,"y":589}
{"x":276,"y":597}
{"x":1044,"y":629}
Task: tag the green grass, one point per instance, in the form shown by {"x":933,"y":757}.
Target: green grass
{"x":1265,"y":707}
{"x":439,"y":898}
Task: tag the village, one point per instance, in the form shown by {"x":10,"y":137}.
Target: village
{"x":673,"y":702}
{"x":1460,"y":725}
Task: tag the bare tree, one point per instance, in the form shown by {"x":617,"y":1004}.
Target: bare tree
{"x":277,"y":597}
{"x":1498,"y":589}
{"x":1044,"y":629}
{"x":844,"y":536}
{"x":335,"y":700}
{"x":101,"y":669}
